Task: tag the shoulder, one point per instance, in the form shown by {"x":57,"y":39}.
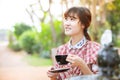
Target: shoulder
{"x":95,"y":46}
{"x":62,"y":48}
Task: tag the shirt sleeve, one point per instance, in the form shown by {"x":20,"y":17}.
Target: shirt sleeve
{"x":60,"y":50}
{"x":95,"y":49}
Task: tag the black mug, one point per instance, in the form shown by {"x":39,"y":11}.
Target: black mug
{"x":61,"y":59}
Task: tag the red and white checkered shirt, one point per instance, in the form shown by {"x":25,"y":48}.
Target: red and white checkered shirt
{"x":85,"y":49}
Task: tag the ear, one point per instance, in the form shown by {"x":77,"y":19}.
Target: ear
{"x":82,"y":26}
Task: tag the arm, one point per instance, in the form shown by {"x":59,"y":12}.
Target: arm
{"x":77,"y":61}
{"x":84,"y":68}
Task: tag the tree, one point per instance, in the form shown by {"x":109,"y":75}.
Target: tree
{"x":20,"y":28}
{"x":113,"y":17}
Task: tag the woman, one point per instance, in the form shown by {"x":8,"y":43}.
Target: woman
{"x":81,"y":51}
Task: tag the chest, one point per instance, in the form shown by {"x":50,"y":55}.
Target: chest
{"x":84,"y":53}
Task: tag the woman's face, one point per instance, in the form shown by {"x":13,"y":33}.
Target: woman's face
{"x":72,"y":26}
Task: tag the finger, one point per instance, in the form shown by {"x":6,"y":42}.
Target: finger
{"x":69,"y":60}
{"x":49,"y":74}
{"x":70,"y":55}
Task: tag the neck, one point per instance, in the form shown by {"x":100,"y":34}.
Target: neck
{"x":76,"y":39}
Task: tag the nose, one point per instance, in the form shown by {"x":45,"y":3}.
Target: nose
{"x":67,"y":22}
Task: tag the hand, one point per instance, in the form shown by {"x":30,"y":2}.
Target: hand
{"x":52,"y":75}
{"x":75,"y":60}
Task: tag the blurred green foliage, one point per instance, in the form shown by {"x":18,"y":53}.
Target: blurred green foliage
{"x":15,"y":46}
{"x":113,"y":17}
{"x":19,"y":28}
{"x":46,"y":36}
{"x":46,"y":39}
{"x":36,"y":42}
{"x":26,"y":39}
{"x":29,"y":42}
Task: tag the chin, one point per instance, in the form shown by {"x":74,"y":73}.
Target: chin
{"x":67,"y":34}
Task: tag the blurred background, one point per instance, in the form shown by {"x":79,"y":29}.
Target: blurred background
{"x":30,"y":29}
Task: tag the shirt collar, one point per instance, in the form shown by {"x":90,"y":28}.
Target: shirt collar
{"x":78,"y":45}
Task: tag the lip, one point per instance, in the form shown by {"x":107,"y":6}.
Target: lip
{"x":67,"y":29}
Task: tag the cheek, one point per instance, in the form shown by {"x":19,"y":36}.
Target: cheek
{"x":76,"y":29}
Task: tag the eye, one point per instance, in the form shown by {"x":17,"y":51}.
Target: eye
{"x":72,"y":18}
{"x":65,"y":18}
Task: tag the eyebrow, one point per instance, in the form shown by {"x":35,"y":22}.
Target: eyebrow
{"x":71,"y":17}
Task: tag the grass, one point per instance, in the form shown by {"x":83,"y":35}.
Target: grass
{"x":34,"y":60}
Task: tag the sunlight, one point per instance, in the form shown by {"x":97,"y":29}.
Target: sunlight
{"x":13,"y":11}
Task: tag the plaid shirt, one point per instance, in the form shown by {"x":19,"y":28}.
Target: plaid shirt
{"x":85,"y":49}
